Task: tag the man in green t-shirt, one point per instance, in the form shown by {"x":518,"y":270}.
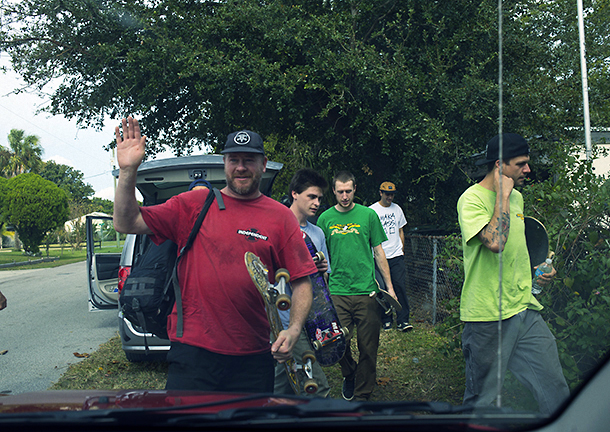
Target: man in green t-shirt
{"x":491,"y":220}
{"x":351,"y":231}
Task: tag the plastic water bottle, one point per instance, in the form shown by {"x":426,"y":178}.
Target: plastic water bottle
{"x":545,"y":267}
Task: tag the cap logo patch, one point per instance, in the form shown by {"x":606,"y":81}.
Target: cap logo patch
{"x":242,"y":138}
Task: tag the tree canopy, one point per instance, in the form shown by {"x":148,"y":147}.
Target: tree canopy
{"x":102,"y":205}
{"x":22,"y":155}
{"x":34,"y":206}
{"x":69,"y":179}
{"x":405,"y":91}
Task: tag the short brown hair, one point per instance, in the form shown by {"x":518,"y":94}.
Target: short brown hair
{"x":344,"y":177}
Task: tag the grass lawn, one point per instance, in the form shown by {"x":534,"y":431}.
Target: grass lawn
{"x":65,"y":256}
{"x":410,"y":366}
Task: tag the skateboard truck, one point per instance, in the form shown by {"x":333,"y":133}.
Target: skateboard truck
{"x":278,"y":292}
{"x":309,"y":386}
{"x":327,"y":337}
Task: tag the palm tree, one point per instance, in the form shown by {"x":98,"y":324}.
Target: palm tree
{"x":22,"y":156}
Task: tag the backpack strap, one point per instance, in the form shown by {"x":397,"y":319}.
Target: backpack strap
{"x":219,"y":200}
{"x":213,"y":193}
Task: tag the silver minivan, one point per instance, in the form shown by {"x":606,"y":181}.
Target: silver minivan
{"x":157,"y":181}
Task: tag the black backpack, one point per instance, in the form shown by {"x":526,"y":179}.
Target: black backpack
{"x":152,"y":287}
{"x":146,"y":298}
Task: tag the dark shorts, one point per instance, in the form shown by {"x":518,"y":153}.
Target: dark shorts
{"x":194,"y":368}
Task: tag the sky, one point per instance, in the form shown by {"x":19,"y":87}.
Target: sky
{"x":61,"y":139}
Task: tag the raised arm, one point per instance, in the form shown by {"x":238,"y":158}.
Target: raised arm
{"x":130,"y":152}
{"x":490,"y":234}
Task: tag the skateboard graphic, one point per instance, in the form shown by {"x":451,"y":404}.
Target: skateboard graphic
{"x":275,"y":298}
{"x":387,"y":302}
{"x":322,"y":326}
{"x":537,"y":240}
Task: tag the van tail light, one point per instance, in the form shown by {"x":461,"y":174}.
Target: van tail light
{"x":123,"y":273}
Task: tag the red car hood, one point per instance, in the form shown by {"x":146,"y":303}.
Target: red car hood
{"x":83,"y":400}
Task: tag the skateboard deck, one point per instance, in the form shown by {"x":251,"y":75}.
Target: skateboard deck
{"x":387,"y":302}
{"x":537,"y":240}
{"x":275,"y":298}
{"x":322,"y":326}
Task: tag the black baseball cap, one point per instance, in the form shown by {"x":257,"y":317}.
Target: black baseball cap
{"x":513,"y":145}
{"x":244,"y":141}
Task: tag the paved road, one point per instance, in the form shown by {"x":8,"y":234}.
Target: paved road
{"x":45,"y":323}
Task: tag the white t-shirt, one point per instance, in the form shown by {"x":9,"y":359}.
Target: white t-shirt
{"x":392,"y":218}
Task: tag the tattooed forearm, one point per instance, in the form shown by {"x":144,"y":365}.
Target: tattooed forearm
{"x":505,"y":221}
{"x":490,"y":235}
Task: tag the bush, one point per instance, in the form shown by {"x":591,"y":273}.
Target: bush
{"x":574,"y":208}
{"x":34,"y":206}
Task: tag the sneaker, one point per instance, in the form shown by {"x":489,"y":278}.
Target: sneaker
{"x":404,"y":327}
{"x":347,"y":390}
{"x":387,"y":325}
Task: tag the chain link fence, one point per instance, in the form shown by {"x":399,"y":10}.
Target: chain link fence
{"x":432,"y":276}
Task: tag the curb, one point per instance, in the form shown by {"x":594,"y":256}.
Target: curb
{"x":28,"y":262}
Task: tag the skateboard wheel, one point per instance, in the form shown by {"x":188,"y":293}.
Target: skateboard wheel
{"x":310,"y":386}
{"x":309,"y":355}
{"x":319,"y":256}
{"x":316,"y":345}
{"x":344,"y":332}
{"x":283,"y":302}
{"x":282,"y":273}
{"x":373,"y":294}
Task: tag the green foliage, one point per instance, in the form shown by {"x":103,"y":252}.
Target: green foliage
{"x":105,"y":232}
{"x":102,"y":205}
{"x":67,"y":178}
{"x":582,"y":333}
{"x":23,"y":154}
{"x":34,"y":206}
{"x":575,"y":210}
{"x":451,"y":327}
{"x":75,"y":231}
{"x":400,"y":91}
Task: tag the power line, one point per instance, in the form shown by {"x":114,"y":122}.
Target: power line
{"x":47,"y":132}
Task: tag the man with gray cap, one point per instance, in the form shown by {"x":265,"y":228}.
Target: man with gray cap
{"x":225,"y":341}
{"x":491,"y":219}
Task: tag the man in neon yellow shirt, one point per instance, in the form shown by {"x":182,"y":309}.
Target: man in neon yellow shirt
{"x":491,"y":219}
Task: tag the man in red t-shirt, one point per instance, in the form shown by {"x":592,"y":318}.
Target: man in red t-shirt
{"x":225,"y":344}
